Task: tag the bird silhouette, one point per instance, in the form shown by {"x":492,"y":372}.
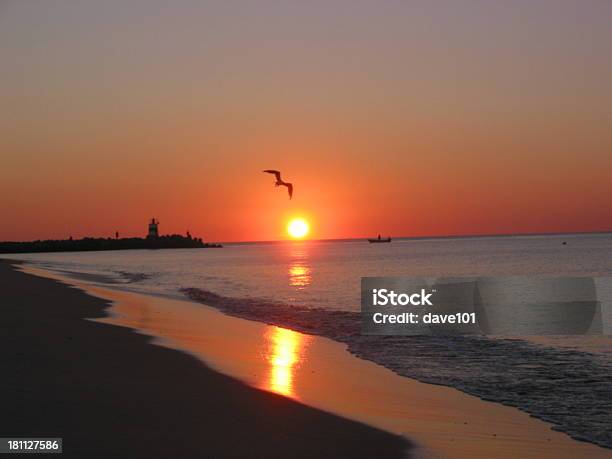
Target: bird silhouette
{"x":279,"y":181}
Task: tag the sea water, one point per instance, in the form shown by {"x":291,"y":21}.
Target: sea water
{"x":314,"y":287}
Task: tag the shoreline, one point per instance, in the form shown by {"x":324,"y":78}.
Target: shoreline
{"x":110,"y":393}
{"x":443,"y":422}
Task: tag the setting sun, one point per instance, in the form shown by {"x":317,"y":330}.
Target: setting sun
{"x":298,"y":228}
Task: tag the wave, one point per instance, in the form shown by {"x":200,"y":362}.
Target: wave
{"x":548,"y":383}
{"x":130,"y":278}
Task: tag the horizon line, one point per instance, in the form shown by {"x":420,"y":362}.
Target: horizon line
{"x":448,"y":236}
{"x":349,"y":239}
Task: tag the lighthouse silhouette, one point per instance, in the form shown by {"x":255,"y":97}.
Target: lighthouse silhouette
{"x":153,"y":229}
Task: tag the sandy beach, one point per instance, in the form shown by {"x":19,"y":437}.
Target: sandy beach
{"x":109,"y":393}
{"x":438,"y":422}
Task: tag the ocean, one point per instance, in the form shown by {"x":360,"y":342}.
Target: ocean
{"x":314,"y":287}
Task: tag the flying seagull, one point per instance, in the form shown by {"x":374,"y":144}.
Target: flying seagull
{"x":279,"y":181}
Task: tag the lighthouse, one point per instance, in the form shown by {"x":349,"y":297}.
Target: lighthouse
{"x":153,"y":232}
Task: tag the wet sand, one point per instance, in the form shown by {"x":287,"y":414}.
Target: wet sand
{"x":443,"y":422}
{"x":110,"y":393}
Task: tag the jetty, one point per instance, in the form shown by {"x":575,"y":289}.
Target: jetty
{"x":152,"y":241}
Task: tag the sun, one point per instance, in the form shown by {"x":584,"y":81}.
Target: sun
{"x":298,"y":228}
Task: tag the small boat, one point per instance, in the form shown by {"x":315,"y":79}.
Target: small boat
{"x":379,"y":239}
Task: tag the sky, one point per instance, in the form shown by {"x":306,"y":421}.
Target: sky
{"x":407,"y":118}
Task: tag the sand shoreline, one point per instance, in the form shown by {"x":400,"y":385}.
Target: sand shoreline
{"x":109,"y":393}
{"x":443,"y":422}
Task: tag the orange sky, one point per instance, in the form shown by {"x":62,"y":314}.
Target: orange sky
{"x":432,"y":118}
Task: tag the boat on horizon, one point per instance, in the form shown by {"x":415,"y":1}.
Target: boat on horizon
{"x":379,"y":239}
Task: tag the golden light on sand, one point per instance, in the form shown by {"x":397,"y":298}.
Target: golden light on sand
{"x":283,"y":357}
{"x":298,"y":228}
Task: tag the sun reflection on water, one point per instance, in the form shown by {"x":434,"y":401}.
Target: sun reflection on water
{"x":285,"y":350}
{"x":300,"y":275}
